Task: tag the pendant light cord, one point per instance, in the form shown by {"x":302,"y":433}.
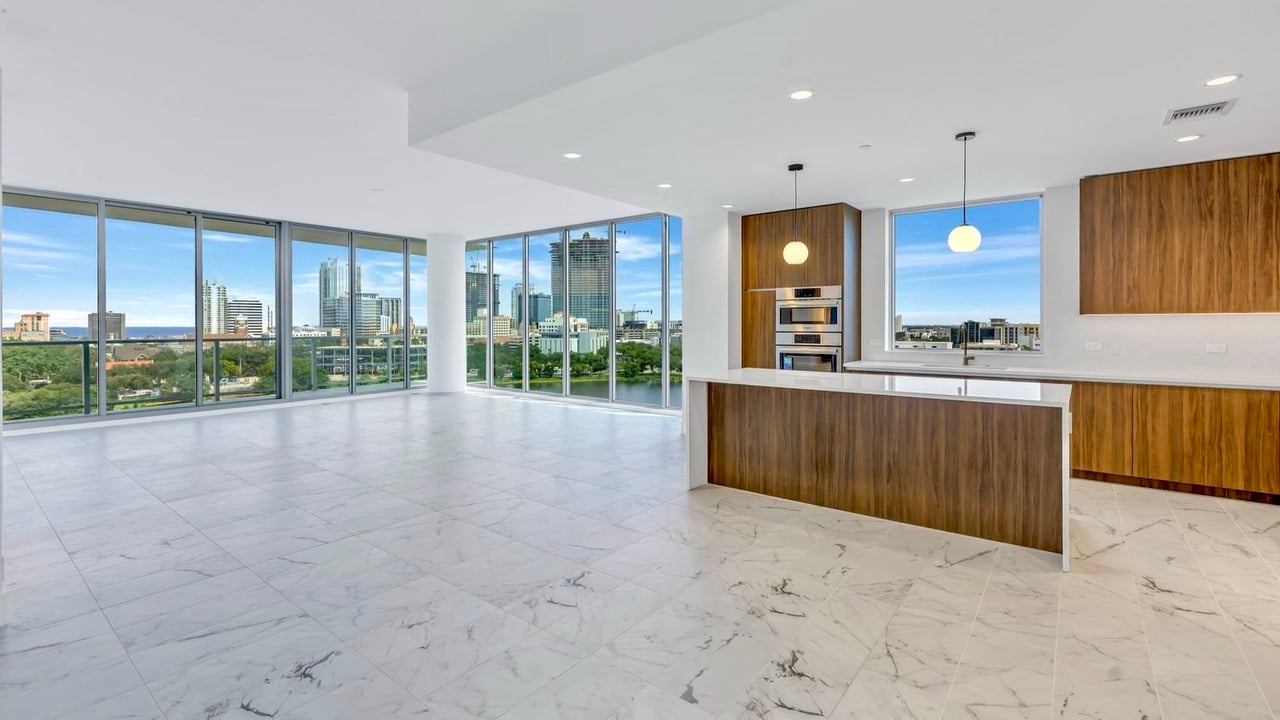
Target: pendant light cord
{"x":964,"y":185}
{"x":795,"y":205}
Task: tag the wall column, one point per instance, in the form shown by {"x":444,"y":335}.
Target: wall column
{"x":446,"y":315}
{"x":711,"y":294}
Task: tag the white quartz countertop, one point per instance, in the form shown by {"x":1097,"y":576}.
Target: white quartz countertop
{"x":938,"y":388}
{"x":984,"y":371}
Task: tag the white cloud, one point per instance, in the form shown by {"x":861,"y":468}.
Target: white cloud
{"x":634,"y":248}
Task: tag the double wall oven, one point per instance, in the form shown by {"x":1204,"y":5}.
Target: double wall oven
{"x":809,"y":328}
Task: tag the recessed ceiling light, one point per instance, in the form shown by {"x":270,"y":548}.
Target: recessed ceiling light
{"x":727,"y":206}
{"x":375,"y":189}
{"x":802,"y":95}
{"x":572,"y":156}
{"x":864,"y":147}
{"x":1188,"y":138}
{"x":664,"y":186}
{"x":906,"y":179}
{"x":1223,"y":80}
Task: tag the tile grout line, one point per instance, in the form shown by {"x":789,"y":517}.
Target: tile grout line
{"x":1057,"y":626}
{"x":942,"y":711}
{"x":1248,"y":536}
{"x":1137,"y":597}
{"x":101,"y":610}
{"x":1227,"y":618}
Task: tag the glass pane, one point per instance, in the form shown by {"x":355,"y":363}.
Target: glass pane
{"x":50,"y":290}
{"x":590,"y":295}
{"x":508,"y":337}
{"x":151,"y":313}
{"x":379,"y":314}
{"x":993,"y":294}
{"x":417,"y":310}
{"x":321,"y":311}
{"x":479,"y":296}
{"x":238,"y":317}
{"x":639,"y":305}
{"x":546,"y":307}
{"x":675,"y":307}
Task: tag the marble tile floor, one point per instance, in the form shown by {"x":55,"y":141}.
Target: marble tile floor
{"x":486,"y":556}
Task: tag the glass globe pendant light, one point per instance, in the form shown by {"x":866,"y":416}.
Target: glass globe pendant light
{"x":964,"y":238}
{"x":795,"y":252}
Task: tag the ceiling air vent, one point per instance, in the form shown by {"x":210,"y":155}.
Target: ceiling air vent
{"x":1199,"y":112}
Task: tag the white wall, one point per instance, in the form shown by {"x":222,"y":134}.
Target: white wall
{"x":708,"y":292}
{"x":1145,"y":345}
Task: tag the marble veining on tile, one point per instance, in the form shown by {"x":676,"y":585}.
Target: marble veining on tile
{"x":483,"y":557}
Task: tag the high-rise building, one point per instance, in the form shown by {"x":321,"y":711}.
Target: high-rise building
{"x":335,"y":291}
{"x":476,"y":293}
{"x":368,"y":312}
{"x":116,"y":329}
{"x":252,"y":312}
{"x":214,"y":316}
{"x":517,"y":307}
{"x":389,"y":307}
{"x":32,"y":327}
{"x":589,"y":279}
{"x":539,"y":307}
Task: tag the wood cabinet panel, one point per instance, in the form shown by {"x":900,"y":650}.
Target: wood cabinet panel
{"x":758,"y":329}
{"x":987,"y":470}
{"x":1197,"y":238}
{"x":1248,"y":440}
{"x":1173,"y":436}
{"x":763,"y":237}
{"x":1101,"y":427}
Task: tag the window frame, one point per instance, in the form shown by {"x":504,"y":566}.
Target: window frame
{"x":891,"y":275}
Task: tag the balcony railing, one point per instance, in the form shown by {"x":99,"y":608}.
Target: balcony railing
{"x":59,"y":378}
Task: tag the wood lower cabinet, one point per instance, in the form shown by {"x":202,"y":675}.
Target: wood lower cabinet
{"x":1248,"y":443}
{"x":758,"y":329}
{"x":1174,"y":434}
{"x":1186,"y":436}
{"x":1102,"y":427}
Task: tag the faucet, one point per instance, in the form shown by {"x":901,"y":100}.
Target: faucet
{"x":965,"y":357}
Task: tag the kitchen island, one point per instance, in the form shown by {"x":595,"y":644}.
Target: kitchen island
{"x":987,"y":458}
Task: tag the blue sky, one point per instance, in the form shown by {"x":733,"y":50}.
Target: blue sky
{"x":639,"y":265}
{"x":1002,"y":279}
{"x":50,"y":266}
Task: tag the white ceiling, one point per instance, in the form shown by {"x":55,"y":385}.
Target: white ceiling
{"x":1055,"y":90}
{"x":459,"y":111}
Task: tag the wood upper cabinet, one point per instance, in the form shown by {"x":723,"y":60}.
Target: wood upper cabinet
{"x":1200,"y":238}
{"x":822,"y":228}
{"x":758,"y":329}
{"x":1102,"y":427}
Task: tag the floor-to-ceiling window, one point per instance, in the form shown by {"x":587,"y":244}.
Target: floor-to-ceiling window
{"x":675,"y":312}
{"x":417,"y":309}
{"x":50,"y":292}
{"x":506,"y":316}
{"x":321,"y":310}
{"x":238,"y":308}
{"x":589,"y":311}
{"x":480,"y":289}
{"x":149,"y":328}
{"x":546,"y":306}
{"x":585,"y":326}
{"x":115,"y":307}
{"x":639,"y":311}
{"x":379,"y":321}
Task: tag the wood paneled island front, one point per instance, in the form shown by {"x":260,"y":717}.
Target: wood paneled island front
{"x":988,"y":458}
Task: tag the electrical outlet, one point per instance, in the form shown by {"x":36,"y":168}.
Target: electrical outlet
{"x":1215,"y":347}
{"x":1093,"y":346}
